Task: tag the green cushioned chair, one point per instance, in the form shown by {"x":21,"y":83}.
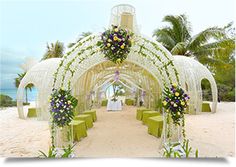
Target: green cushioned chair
{"x":187,"y":110}
{"x":206,"y":107}
{"x":79,"y":129}
{"x":147,"y":114}
{"x":139,"y":114}
{"x":31,"y":112}
{"x":87,"y":118}
{"x":155,"y":125}
{"x":104,"y":102}
{"x":76,"y":112}
{"x":129,"y":102}
{"x":92,"y":113}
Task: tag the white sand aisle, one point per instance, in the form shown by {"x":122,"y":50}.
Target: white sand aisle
{"x":118,"y":134}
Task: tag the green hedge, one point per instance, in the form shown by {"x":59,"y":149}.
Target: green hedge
{"x":230,"y":96}
{"x":6,"y":101}
{"x":225,"y":93}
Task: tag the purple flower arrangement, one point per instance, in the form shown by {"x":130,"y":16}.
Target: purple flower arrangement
{"x":175,"y":101}
{"x":62,"y":104}
{"x":115,"y":43}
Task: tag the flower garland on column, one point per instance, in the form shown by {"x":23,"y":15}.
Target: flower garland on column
{"x":175,"y":102}
{"x":62,"y":104}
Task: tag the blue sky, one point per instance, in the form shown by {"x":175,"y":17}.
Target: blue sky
{"x":26,"y":25}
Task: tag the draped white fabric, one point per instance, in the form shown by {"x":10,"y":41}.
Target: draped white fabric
{"x":114,"y":105}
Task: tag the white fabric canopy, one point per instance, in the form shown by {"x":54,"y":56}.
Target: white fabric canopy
{"x":191,"y":74}
{"x":41,"y":76}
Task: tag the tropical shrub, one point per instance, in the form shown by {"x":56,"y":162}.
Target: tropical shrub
{"x":226,"y":93}
{"x":6,"y":101}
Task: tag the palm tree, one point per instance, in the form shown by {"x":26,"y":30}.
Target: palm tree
{"x":54,"y":50}
{"x":81,"y":36}
{"x":204,"y":46}
{"x":29,"y":86}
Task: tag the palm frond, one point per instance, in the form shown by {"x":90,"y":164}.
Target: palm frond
{"x":179,"y":49}
{"x":165,"y":36}
{"x":177,"y":31}
{"x":180,"y":26}
{"x":70,"y":45}
{"x":81,"y":36}
{"x":54,"y":50}
{"x":19,"y":78}
{"x":210,"y":61}
{"x":219,"y":49}
{"x":204,"y":37}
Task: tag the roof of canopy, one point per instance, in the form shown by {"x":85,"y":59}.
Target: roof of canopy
{"x":41,"y":76}
{"x":191,"y":73}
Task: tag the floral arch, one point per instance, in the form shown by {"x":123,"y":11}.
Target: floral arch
{"x":145,"y":53}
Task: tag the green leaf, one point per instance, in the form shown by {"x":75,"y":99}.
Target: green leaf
{"x":99,"y":43}
{"x":42,"y":154}
{"x":205,"y":36}
{"x":196,"y":153}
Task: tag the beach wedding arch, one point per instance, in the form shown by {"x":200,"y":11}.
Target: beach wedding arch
{"x":119,"y":43}
{"x":138,"y":59}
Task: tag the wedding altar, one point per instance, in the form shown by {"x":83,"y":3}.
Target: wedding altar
{"x":114,"y":105}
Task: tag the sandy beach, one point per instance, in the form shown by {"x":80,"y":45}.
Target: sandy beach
{"x":119,"y":134}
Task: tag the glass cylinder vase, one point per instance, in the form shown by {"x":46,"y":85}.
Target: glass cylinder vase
{"x":172,"y":133}
{"x":63,"y":137}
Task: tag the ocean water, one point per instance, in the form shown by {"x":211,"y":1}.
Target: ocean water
{"x":12,"y":93}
